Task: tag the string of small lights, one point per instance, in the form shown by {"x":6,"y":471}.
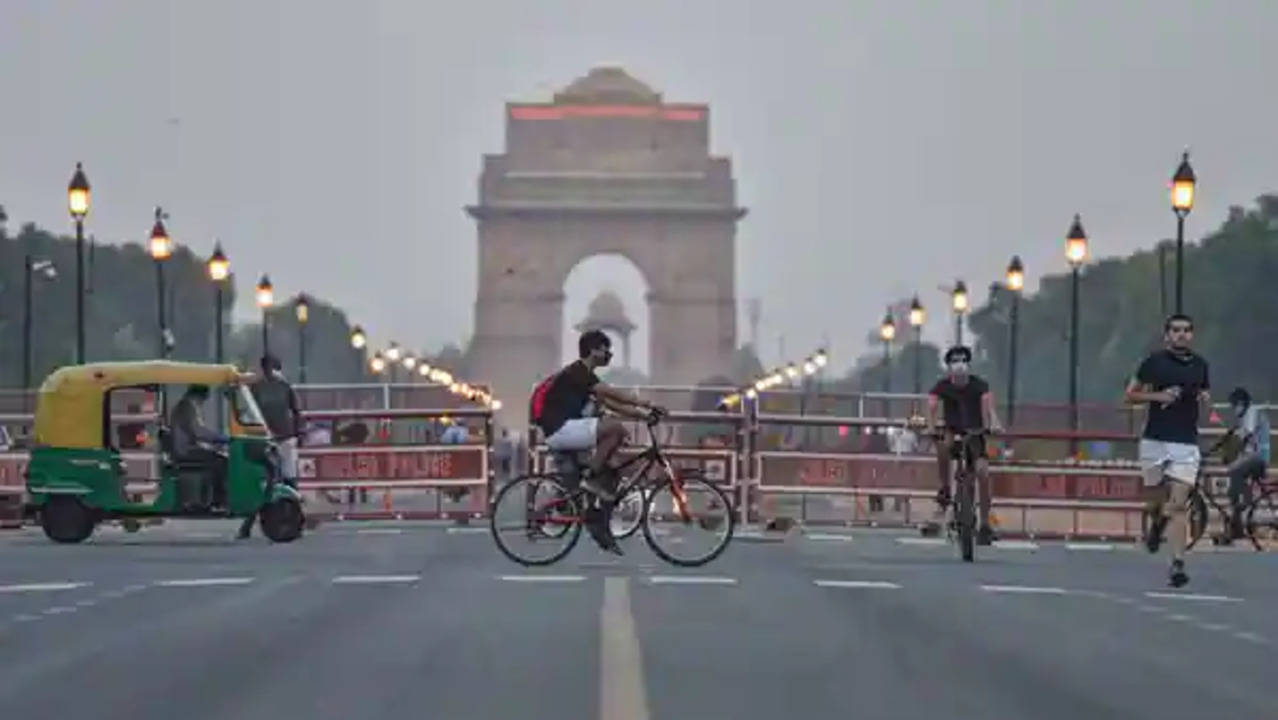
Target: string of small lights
{"x":777,"y":376}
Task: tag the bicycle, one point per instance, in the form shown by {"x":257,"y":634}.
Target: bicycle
{"x":1264,"y":496}
{"x":547,"y":508}
{"x":961,"y":511}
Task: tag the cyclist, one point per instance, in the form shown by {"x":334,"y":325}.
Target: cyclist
{"x":1250,"y":425}
{"x":1174,"y":383}
{"x":559,"y":407}
{"x":968,"y":405}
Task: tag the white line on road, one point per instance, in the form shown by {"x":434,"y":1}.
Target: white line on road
{"x":42,"y":587}
{"x":1214,"y":627}
{"x":1015,"y":545}
{"x":922,"y":541}
{"x":543,"y":578}
{"x":621,"y":686}
{"x":466,"y":530}
{"x":1024,"y":589}
{"x":829,"y":537}
{"x":23,"y":617}
{"x":1191,"y":596}
{"x":379,"y":531}
{"x":691,"y":580}
{"x":1089,"y":546}
{"x":62,"y":610}
{"x":1178,"y":618}
{"x":374,"y":579}
{"x":204,"y":582}
{"x":875,"y":584}
{"x":1250,"y":637}
{"x":87,"y":603}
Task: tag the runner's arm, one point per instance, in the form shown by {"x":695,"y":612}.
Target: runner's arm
{"x":613,"y":397}
{"x":990,"y":413}
{"x":1139,"y":393}
{"x":932,"y":403}
{"x":623,"y":409}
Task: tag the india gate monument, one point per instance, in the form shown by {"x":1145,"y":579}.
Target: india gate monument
{"x":607,"y":167}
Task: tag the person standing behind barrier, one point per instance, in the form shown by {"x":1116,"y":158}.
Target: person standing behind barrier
{"x":1174,"y":384}
{"x":1250,"y":425}
{"x":277,"y":400}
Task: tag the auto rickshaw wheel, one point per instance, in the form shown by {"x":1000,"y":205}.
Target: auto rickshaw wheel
{"x":282,"y":520}
{"x":66,"y":520}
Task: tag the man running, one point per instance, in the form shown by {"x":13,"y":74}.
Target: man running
{"x":968,"y":405}
{"x":1173,"y":383}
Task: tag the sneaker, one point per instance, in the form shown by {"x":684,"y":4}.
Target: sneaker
{"x":985,"y":536}
{"x":1154,"y":537}
{"x":943,"y":498}
{"x":1177,"y":577}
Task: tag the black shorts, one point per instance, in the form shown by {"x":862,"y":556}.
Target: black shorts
{"x":977,"y":444}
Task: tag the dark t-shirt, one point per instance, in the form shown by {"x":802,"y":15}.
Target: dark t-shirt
{"x":567,"y":396}
{"x":278,"y":403}
{"x":1178,"y":422}
{"x":962,"y":403}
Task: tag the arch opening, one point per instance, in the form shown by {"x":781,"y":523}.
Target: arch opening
{"x":609,"y":290}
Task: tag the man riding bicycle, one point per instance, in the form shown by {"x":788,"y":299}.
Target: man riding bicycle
{"x":968,"y":406}
{"x":1249,"y":425}
{"x":559,"y":406}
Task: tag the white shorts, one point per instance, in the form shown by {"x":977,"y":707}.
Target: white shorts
{"x":288,"y":458}
{"x":576,"y":434}
{"x":1178,"y":461}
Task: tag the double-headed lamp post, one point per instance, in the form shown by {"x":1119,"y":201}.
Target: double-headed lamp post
{"x":918,"y":316}
{"x":1182,"y":200}
{"x":161,"y":247}
{"x":219,"y":269}
{"x":1076,"y":254}
{"x":959,"y":301}
{"x":265,"y":299}
{"x":887,"y":332}
{"x":302,"y":308}
{"x":78,"y":205}
{"x":1015,"y":285}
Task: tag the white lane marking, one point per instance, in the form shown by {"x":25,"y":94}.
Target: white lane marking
{"x":87,"y":603}
{"x":1250,"y":637}
{"x":1089,"y":546}
{"x":1213,"y":627}
{"x":922,"y":541}
{"x":543,"y":578}
{"x":204,"y":582}
{"x":875,"y":584}
{"x":114,"y":594}
{"x":1024,"y":589}
{"x":374,"y":579}
{"x":133,"y":588}
{"x":1015,"y":545}
{"x":23,"y":617}
{"x":1191,"y":596}
{"x":621,"y":686}
{"x":1178,"y":618}
{"x":829,"y":537}
{"x":380,"y":531}
{"x":691,"y":580}
{"x":1150,"y":608}
{"x":42,"y":587}
{"x":466,"y":530}
{"x":61,"y":610}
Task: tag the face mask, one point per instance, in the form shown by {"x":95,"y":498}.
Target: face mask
{"x":958,"y":368}
{"x":607,"y":358}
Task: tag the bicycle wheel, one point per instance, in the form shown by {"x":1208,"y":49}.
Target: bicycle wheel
{"x":688,"y":520}
{"x":1262,"y":517}
{"x":627,"y":514}
{"x":535,"y":520}
{"x":965,"y":515}
{"x":1197,"y":517}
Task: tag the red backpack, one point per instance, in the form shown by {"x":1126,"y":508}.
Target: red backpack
{"x":537,"y":404}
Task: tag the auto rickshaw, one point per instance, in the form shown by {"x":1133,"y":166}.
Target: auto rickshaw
{"x":76,"y":476}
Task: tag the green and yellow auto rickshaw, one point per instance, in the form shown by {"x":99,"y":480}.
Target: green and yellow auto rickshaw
{"x":77,"y":474}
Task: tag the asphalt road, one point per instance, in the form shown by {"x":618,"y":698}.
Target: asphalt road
{"x":397,"y":621}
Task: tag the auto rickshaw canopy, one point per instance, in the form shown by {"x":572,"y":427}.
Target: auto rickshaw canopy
{"x":70,"y":406}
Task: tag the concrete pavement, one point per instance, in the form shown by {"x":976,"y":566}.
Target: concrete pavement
{"x":402,"y":620}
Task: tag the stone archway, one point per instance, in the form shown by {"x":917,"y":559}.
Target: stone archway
{"x":607,"y":168}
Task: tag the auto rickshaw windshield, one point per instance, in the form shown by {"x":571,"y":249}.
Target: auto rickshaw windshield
{"x":247,"y":413}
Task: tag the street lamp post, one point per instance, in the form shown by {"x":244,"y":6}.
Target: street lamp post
{"x":302,"y":307}
{"x":219,"y":269}
{"x":358,"y":342}
{"x":393,"y":355}
{"x":1015,"y":284}
{"x":1182,"y":199}
{"x":161,"y":247}
{"x":887,"y":331}
{"x":30,"y":267}
{"x":1076,"y":254}
{"x":917,"y":317}
{"x":959,"y":300}
{"x":265,"y":299}
{"x":78,"y":204}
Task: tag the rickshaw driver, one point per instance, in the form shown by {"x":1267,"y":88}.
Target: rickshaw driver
{"x":193,"y":441}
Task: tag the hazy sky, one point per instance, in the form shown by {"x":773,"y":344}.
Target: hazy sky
{"x":881,"y":147}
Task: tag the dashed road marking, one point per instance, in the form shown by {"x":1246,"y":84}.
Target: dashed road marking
{"x":931,"y":542}
{"x":543,"y":578}
{"x":42,"y":587}
{"x":1100,"y":547}
{"x":1178,"y":618}
{"x":858,"y":584}
{"x":1025,"y":589}
{"x":59,"y":610}
{"x":374,"y":579}
{"x":691,"y":580}
{"x":1192,"y":596}
{"x":466,"y":530}
{"x":1251,"y":637}
{"x":203,"y":582}
{"x":381,"y":531}
{"x":828,"y":537}
{"x":1015,"y":545}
